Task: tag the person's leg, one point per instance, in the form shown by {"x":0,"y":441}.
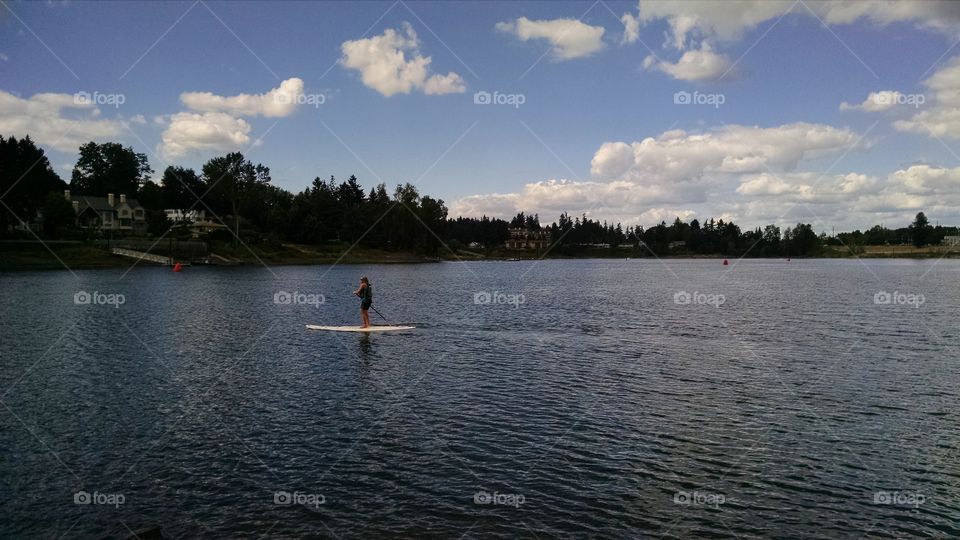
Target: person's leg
{"x":365,"y":317}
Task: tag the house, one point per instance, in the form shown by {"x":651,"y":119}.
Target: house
{"x":521,"y":238}
{"x":188,"y":216}
{"x":195,"y":221}
{"x":951,"y":240}
{"x":680,"y":244}
{"x":110,"y":213}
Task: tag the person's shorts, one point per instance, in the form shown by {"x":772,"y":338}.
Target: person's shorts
{"x":365,"y":305}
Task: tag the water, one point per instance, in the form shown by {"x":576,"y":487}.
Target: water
{"x":591,"y":406}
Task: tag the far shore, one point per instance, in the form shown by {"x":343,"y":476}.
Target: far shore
{"x":38,"y":256}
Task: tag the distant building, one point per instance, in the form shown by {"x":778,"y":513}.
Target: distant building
{"x":189,"y":216}
{"x":676,"y":245}
{"x":521,"y":238}
{"x":951,"y":240}
{"x":193,"y":220}
{"x":109,"y":213}
{"x":475,"y":245}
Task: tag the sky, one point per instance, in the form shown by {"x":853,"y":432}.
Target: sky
{"x":836,"y":113}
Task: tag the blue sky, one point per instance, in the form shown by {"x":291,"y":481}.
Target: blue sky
{"x":785,"y":68}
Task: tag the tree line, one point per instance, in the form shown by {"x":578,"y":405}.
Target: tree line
{"x":237,"y":192}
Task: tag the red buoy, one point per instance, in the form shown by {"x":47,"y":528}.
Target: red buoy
{"x":726,"y":262}
{"x":177,"y":267}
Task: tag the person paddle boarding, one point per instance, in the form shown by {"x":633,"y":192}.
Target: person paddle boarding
{"x":365,"y":292}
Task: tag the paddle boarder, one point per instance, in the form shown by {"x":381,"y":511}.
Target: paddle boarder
{"x":365,"y":292}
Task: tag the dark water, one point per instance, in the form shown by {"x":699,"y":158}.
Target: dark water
{"x":598,"y":407}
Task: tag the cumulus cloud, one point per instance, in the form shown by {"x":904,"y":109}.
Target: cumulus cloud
{"x":43,"y":117}
{"x":569,"y":38}
{"x":729,"y":20}
{"x":883,"y":100}
{"x":210,"y":131}
{"x":694,"y":65}
{"x":631,"y":28}
{"x":692,"y":24}
{"x":383,"y":64}
{"x":942,"y":117}
{"x":746,"y":173}
{"x":680,"y":156}
{"x":658,"y":215}
{"x":279,"y":102}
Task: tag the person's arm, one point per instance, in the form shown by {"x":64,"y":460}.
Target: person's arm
{"x":357,"y":292}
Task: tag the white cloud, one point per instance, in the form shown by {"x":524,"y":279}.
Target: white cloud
{"x":383,"y":64}
{"x":654,"y":216}
{"x":693,"y":24}
{"x":569,"y":38}
{"x":927,"y":180}
{"x":942,"y":117}
{"x":210,"y":131}
{"x":280,"y":101}
{"x":631,"y":28}
{"x":680,"y":156}
{"x":728,"y":20}
{"x":42,"y":117}
{"x":883,"y":100}
{"x":694,"y":65}
{"x":4,"y":57}
{"x":745,"y":173}
{"x":807,"y":187}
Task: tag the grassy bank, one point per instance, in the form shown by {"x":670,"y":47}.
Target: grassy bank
{"x":58,"y":255}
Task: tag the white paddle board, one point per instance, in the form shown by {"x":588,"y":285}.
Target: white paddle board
{"x":375,"y":328}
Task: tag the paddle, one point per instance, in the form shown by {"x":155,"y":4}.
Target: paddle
{"x":378,"y":313}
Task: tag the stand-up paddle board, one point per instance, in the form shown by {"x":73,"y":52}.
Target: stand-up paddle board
{"x":375,"y":328}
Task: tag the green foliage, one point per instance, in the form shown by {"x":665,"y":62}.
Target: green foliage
{"x":109,"y":168}
{"x":58,"y":215}
{"x":157,"y":222}
{"x":150,"y":196}
{"x":181,"y":188}
{"x":920,"y":230}
{"x":26,"y":178}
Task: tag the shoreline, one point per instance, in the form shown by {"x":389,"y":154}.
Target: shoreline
{"x":115,"y":261}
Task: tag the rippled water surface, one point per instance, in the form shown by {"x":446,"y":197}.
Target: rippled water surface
{"x":593,"y":406}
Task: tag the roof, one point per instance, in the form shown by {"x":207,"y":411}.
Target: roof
{"x":100,"y":203}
